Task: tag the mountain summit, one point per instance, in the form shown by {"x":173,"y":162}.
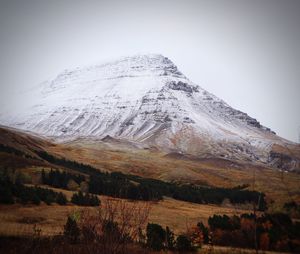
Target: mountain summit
{"x":146,"y":99}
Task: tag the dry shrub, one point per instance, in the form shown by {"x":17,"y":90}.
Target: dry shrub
{"x":116,"y":224}
{"x":196,"y":236}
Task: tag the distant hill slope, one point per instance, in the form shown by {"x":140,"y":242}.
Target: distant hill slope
{"x":18,"y":149}
{"x":25,"y":142}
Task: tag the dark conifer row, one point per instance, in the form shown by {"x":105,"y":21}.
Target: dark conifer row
{"x":12,"y":150}
{"x":60,"y":179}
{"x":11,"y":193}
{"x":85,"y":199}
{"x":134,"y":187}
{"x":18,"y":193}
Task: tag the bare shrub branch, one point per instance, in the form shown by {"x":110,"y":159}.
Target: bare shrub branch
{"x":115,"y":224}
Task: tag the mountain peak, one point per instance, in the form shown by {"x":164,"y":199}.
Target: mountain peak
{"x":153,"y":56}
{"x":157,"y":64}
{"x":142,"y":98}
{"x":146,"y":59}
{"x":142,"y":65}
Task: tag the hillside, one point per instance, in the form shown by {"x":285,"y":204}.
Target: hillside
{"x":109,"y":157}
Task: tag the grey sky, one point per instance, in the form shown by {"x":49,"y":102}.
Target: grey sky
{"x":245,"y":52}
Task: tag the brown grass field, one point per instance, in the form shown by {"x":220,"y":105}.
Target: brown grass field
{"x":178,"y":215}
{"x":18,"y":220}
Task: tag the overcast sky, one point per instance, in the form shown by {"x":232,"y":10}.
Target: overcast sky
{"x":245,"y":52}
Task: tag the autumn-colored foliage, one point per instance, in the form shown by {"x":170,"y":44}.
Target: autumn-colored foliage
{"x":267,"y":231}
{"x":196,"y":236}
{"x":264,"y":241}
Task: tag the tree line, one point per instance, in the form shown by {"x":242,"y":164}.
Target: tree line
{"x":12,"y":150}
{"x":121,"y":185}
{"x":17,"y":192}
{"x":60,"y":179}
{"x":85,"y":199}
{"x":274,"y":232}
{"x":11,"y":193}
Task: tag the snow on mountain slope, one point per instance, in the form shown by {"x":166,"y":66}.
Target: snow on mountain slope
{"x":143,"y":98}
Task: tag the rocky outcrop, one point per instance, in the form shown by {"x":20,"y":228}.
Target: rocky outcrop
{"x":284,"y":161}
{"x":181,"y":86}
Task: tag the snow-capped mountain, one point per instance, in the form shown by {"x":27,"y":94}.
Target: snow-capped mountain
{"x":143,"y":98}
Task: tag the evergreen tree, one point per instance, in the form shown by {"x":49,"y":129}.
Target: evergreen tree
{"x":145,"y":193}
{"x":61,"y":199}
{"x":133,"y":192}
{"x":183,"y":243}
{"x":48,"y":199}
{"x":85,"y":200}
{"x":204,"y":231}
{"x":35,"y":199}
{"x":71,"y":230}
{"x":81,"y":199}
{"x":156,"y":236}
{"x":6,"y":196}
{"x":94,"y":201}
{"x":170,"y":239}
{"x":75,"y":199}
